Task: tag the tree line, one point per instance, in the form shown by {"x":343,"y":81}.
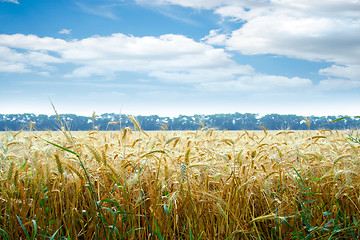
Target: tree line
{"x":235,"y":121}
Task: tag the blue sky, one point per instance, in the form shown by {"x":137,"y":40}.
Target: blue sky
{"x":171,"y":57}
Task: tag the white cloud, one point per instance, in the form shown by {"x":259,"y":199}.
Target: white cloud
{"x":65,"y":31}
{"x":208,"y":4}
{"x":312,"y":30}
{"x":215,"y":37}
{"x":168,"y":58}
{"x":248,"y":9}
{"x":12,"y":1}
{"x":24,"y":62}
{"x":220,"y":74}
{"x":108,"y":55}
{"x":105,"y":10}
{"x":322,"y":30}
{"x":338,"y":84}
{"x":12,"y":62}
{"x":349,"y":72}
{"x":260,"y":83}
{"x":118,"y":52}
{"x":9,"y":67}
{"x":312,"y":39}
{"x":340,"y":77}
{"x":33,"y":42}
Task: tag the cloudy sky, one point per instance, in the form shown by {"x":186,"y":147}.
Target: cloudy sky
{"x":171,"y":57}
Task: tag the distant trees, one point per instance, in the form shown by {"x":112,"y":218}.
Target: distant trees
{"x":276,"y":121}
{"x":235,"y":121}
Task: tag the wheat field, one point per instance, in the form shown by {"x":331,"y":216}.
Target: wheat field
{"x":203,"y":184}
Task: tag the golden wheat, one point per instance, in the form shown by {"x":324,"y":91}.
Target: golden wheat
{"x":178,"y":185}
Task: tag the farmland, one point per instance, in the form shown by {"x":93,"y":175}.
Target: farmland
{"x":205,"y":184}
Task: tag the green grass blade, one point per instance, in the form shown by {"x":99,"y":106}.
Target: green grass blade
{"x":4,"y":234}
{"x":23,"y":227}
{"x":338,"y":119}
{"x":191,"y":235}
{"x":133,"y":230}
{"x":35,"y":229}
{"x":157,"y":233}
{"x":200,"y":235}
{"x":302,"y":184}
{"x":119,"y":210}
{"x":65,"y":149}
{"x":283,"y":220}
{"x":166,"y":209}
{"x":53,"y":236}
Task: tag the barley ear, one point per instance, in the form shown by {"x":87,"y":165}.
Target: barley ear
{"x":10,"y":172}
{"x":187,"y":159}
{"x":58,"y":164}
{"x":16,"y":177}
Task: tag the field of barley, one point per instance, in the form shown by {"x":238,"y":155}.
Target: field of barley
{"x":203,"y":184}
